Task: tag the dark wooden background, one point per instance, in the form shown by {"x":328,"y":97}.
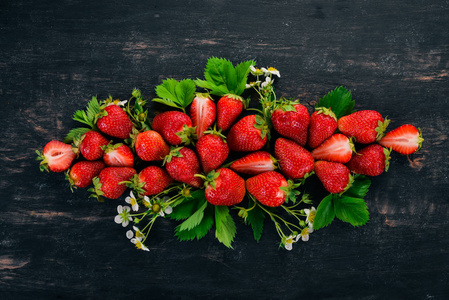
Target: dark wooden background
{"x":55,"y":55}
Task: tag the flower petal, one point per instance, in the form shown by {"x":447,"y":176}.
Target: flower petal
{"x":305,"y":238}
{"x":126,"y":208}
{"x":125,"y":223}
{"x":118,"y":219}
{"x":129,"y":234}
{"x":288,"y":246}
{"x":168,"y":210}
{"x":119,"y":209}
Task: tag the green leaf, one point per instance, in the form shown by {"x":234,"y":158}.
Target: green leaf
{"x":194,"y":219}
{"x":200,"y":230}
{"x":339,"y":100}
{"x":325,"y":213}
{"x":225,"y":226}
{"x":165,"y":102}
{"x":188,"y":206}
{"x":185,"y":92}
{"x":89,"y":116}
{"x":351,"y":210}
{"x":242,"y":71}
{"x":230,"y":76}
{"x":255,"y":218}
{"x":359,"y":187}
{"x":75,"y":133}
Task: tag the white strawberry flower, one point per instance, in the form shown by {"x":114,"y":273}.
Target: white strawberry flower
{"x":272,"y":71}
{"x":123,"y":216}
{"x":139,"y":244}
{"x":118,"y":102}
{"x":255,"y":71}
{"x":131,"y":199}
{"x":139,"y":235}
{"x":146,"y":201}
{"x":268,"y":81}
{"x":252,"y":84}
{"x":290,"y":240}
{"x":305,"y":234}
{"x":310,"y":213}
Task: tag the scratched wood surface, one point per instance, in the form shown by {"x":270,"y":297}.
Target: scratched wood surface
{"x":55,"y":55}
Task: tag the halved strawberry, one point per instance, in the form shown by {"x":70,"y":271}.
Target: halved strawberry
{"x":202,"y":113}
{"x":254,"y":163}
{"x":56,"y":156}
{"x":337,"y":148}
{"x":405,"y":139}
{"x":118,"y":155}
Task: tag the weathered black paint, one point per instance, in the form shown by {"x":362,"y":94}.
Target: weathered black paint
{"x":55,"y":55}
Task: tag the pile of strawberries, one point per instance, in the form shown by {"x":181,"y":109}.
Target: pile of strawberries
{"x":224,"y":145}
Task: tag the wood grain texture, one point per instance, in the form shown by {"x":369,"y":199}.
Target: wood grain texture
{"x":55,"y":55}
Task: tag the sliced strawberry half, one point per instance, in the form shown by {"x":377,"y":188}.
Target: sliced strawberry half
{"x":202,"y":113}
{"x":56,"y":156}
{"x":405,"y":139}
{"x":337,"y":148}
{"x":254,"y":163}
{"x":118,"y":155}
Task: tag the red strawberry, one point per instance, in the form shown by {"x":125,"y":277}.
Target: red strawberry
{"x":335,"y":177}
{"x":182,"y":164}
{"x":151,"y":146}
{"x":371,"y":160}
{"x":174,"y":126}
{"x":254,"y":163}
{"x":248,"y":134}
{"x":118,"y":155}
{"x":56,"y":156}
{"x":366,"y":126}
{"x":212,"y":151}
{"x":405,"y":139}
{"x":202,"y":113}
{"x":115,"y":122}
{"x":109,"y":182}
{"x":229,"y":107}
{"x":337,"y":148}
{"x":155,"y":180}
{"x":91,"y":145}
{"x":265,"y":187}
{"x":294,"y":160}
{"x":292,"y":124}
{"x":81,"y":174}
{"x":224,"y":187}
{"x":323,"y":124}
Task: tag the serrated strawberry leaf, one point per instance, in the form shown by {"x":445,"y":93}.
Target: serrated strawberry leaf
{"x":242,"y":71}
{"x":359,"y":187}
{"x":224,"y":225}
{"x":256,"y":218}
{"x":194,"y":219}
{"x":176,"y":94}
{"x":199,"y":231}
{"x":75,"y":133}
{"x":351,"y":210}
{"x":185,"y":92}
{"x":188,"y":205}
{"x":325,"y":213}
{"x":339,"y":101}
{"x":89,"y":116}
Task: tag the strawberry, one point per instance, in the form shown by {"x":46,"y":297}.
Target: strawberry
{"x":56,"y":156}
{"x":254,"y":163}
{"x":265,"y":187}
{"x":337,"y":148}
{"x":212,"y":150}
{"x":291,"y":120}
{"x":175,"y":127}
{"x":229,"y":107}
{"x":366,"y":126}
{"x":154,"y":179}
{"x":294,"y":160}
{"x":150,"y":146}
{"x":405,"y":139}
{"x":115,"y":122}
{"x":182,"y":164}
{"x":118,"y":155}
{"x":90,"y":145}
{"x":224,"y":187}
{"x":323,"y":124}
{"x":110,"y":182}
{"x":202,"y":113}
{"x":371,"y":160}
{"x":248,"y":134}
{"x":335,"y":177}
{"x":81,"y":174}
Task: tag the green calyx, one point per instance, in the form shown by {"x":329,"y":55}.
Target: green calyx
{"x":111,"y":147}
{"x":209,"y":179}
{"x":96,"y":190}
{"x":70,"y":180}
{"x":262,"y":125}
{"x":291,"y":191}
{"x":187,"y":135}
{"x":135,"y":184}
{"x":286,"y":105}
{"x":381,"y":127}
{"x":387,"y":153}
{"x":348,"y":186}
{"x":420,"y":140}
{"x":43,"y":166}
{"x":216,"y":132}
{"x":326,"y":111}
{"x":174,"y":152}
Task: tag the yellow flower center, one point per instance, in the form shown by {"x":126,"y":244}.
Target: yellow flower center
{"x":133,"y":201}
{"x":305,"y":231}
{"x":289,"y":240}
{"x":156,"y":208}
{"x":271,"y":69}
{"x":312,"y":216}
